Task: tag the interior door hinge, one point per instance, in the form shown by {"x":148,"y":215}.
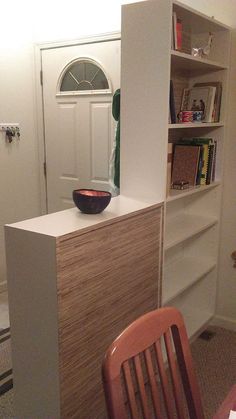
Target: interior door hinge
{"x":45,"y":169}
{"x":41,"y":77}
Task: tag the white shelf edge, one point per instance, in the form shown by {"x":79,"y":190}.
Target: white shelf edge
{"x":176,"y":194}
{"x":194,"y":280}
{"x":204,"y":62}
{"x":191,"y":233}
{"x":196,"y":125}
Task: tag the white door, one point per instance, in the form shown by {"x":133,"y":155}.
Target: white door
{"x":78,"y":85}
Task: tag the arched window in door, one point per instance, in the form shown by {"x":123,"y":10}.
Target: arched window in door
{"x":84,"y":76}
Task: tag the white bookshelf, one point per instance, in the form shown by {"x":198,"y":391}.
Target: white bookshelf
{"x":197,"y":303}
{"x":185,"y":271}
{"x":192,"y":216}
{"x":185,"y":226}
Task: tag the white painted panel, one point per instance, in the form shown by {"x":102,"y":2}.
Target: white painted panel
{"x":67,"y":203}
{"x":145,"y":75}
{"x":67,"y":185}
{"x":100,"y":140}
{"x":31,"y":271}
{"x":197,"y":304}
{"x":67,"y":130}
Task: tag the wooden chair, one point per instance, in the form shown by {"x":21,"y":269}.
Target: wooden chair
{"x":148,"y":370}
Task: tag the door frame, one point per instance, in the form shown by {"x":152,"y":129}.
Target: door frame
{"x":39,"y":117}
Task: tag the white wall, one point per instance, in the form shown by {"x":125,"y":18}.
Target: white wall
{"x":19,"y":197}
{"x":26,"y":22}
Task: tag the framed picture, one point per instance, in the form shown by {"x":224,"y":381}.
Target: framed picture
{"x":218,"y":95}
{"x":200,"y":99}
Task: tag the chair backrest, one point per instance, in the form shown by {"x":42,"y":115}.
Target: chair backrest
{"x":148,"y":370}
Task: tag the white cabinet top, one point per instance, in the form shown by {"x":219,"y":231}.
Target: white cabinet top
{"x":71,"y":220}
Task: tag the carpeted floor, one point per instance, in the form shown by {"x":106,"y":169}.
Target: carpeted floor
{"x":6,"y":406}
{"x":215,"y":363}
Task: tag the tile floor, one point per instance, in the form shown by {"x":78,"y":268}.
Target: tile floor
{"x":4,"y":315}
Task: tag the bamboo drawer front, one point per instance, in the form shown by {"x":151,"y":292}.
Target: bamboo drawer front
{"x":106,"y":278}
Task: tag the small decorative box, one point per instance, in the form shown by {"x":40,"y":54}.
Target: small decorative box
{"x":181,"y":184}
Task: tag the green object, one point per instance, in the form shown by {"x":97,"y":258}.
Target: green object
{"x":116,"y":116}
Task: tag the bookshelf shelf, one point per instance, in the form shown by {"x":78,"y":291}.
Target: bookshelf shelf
{"x":196,"y":125}
{"x":184,"y":226}
{"x":182,"y":272}
{"x":183,"y":61}
{"x":176,"y":194}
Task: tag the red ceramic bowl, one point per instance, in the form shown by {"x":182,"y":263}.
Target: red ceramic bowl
{"x":90,"y":201}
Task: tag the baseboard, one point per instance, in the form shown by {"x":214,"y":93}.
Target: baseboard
{"x":225,"y":322}
{"x":3,"y":286}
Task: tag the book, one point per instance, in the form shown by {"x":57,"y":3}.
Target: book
{"x":185,"y":163}
{"x":218,"y":94}
{"x":213,"y":174}
{"x":200,"y":165}
{"x":177,"y":31}
{"x":172,"y":104}
{"x":200,"y":98}
{"x":172,"y":33}
{"x":169,"y":167}
{"x":205,"y":143}
{"x":200,"y":160}
{"x":174,"y":29}
{"x":210,"y":161}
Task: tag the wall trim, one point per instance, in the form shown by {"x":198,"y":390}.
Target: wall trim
{"x":40,"y":128}
{"x":106,"y":37}
{"x":225,"y":322}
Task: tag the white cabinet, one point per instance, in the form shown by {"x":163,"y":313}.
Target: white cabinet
{"x":192,"y":216}
{"x":75,"y":281}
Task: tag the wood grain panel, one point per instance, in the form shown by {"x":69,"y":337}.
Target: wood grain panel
{"x":106,"y":278}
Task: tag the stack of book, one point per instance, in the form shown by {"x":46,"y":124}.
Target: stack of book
{"x":194,"y":161}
